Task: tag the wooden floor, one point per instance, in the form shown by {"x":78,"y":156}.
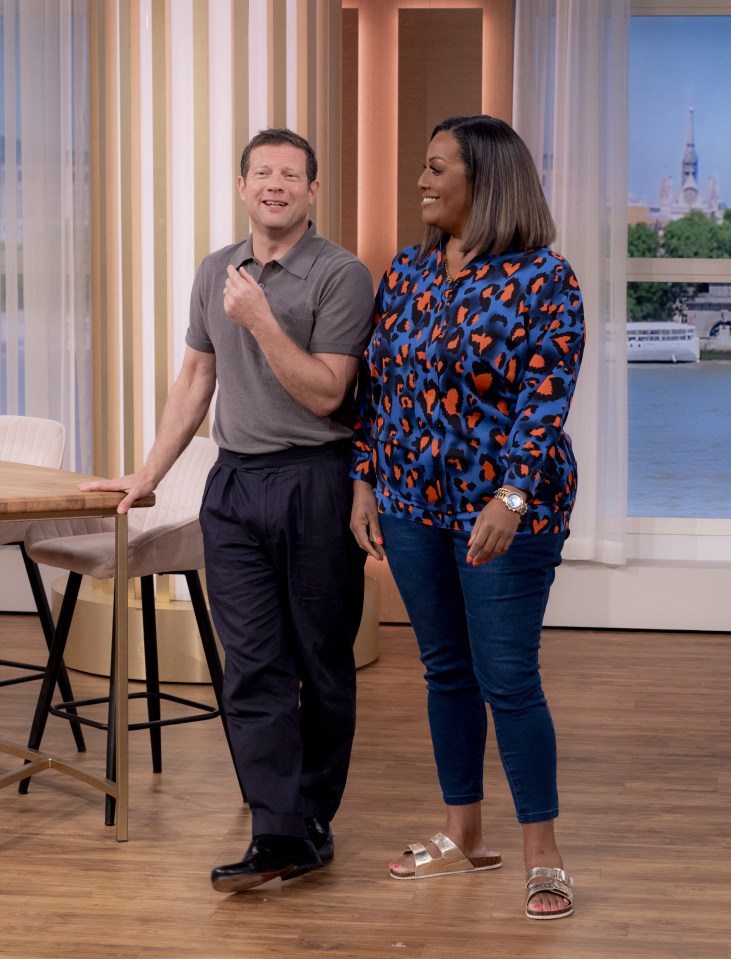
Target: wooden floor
{"x":644,"y":725}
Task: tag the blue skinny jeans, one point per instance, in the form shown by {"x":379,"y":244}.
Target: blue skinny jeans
{"x":478,"y":630}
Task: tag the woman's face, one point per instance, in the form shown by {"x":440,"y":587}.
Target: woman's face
{"x":446,"y":195}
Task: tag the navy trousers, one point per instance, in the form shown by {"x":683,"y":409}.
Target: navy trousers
{"x":285,"y":585}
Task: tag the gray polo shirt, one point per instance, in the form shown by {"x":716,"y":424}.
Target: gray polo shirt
{"x":322,"y":297}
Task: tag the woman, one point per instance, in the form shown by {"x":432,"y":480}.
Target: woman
{"x":465,"y":477}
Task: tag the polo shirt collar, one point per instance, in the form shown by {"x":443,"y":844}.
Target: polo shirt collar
{"x":298,"y":260}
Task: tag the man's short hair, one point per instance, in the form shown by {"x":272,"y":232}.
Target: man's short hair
{"x":277,"y":136}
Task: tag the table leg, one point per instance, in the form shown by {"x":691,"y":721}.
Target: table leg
{"x":121,"y":676}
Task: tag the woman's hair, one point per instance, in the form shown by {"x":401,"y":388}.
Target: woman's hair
{"x":278,"y":136}
{"x":509,"y":210}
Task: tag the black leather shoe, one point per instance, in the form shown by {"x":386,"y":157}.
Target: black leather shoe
{"x":268,"y":857}
{"x":321,"y":838}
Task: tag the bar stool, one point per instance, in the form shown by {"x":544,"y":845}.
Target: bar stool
{"x":165,"y":538}
{"x":37,"y":442}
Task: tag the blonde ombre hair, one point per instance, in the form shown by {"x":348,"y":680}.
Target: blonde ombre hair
{"x":509,"y":210}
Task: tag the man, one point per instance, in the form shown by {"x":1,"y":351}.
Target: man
{"x":279,"y":323}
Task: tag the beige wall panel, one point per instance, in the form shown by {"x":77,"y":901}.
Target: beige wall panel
{"x":135,"y":239}
{"x":109,"y":373}
{"x":202,"y":143}
{"x":349,"y":132}
{"x":277,"y":80}
{"x":431,"y":88}
{"x":160,"y":176}
{"x":98,"y":179}
{"x":497,"y":74}
{"x":126,"y":244}
{"x":240,"y":81}
{"x":377,"y":134}
{"x":327,"y":123}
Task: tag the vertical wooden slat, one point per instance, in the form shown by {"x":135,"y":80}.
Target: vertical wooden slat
{"x":109,"y":373}
{"x":133,"y":424}
{"x":277,"y":70}
{"x":125,"y":224}
{"x":160,"y":201}
{"x":304,"y":26}
{"x":202,"y":123}
{"x":327,"y":120}
{"x":349,"y":132}
{"x":202,"y":145}
{"x":240,"y":99}
{"x":97,"y":181}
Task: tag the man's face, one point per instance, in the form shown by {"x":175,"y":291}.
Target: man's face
{"x":275,"y":191}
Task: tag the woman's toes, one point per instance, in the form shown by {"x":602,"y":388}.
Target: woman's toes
{"x":547,"y":903}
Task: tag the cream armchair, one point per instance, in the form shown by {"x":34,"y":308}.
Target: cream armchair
{"x":38,"y":442}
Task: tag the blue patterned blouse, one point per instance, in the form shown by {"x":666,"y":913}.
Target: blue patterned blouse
{"x":467,"y":386}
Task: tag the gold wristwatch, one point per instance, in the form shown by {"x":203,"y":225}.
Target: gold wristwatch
{"x":514,"y":501}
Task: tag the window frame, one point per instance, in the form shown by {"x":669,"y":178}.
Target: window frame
{"x":662,"y":538}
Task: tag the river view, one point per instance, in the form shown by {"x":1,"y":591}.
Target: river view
{"x":680,"y":439}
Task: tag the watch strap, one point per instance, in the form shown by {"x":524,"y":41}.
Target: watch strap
{"x":504,"y":495}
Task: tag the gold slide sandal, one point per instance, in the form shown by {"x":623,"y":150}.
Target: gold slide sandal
{"x":452,"y":860}
{"x":545,"y":879}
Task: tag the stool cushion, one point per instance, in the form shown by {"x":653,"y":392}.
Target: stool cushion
{"x":87,"y":547}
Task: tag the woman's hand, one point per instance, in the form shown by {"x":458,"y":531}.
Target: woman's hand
{"x":364,"y":523}
{"x":493,"y":533}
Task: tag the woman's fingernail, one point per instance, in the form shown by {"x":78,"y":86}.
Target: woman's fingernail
{"x":379,"y":540}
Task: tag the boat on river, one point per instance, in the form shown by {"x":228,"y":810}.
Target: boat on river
{"x":661,"y":342}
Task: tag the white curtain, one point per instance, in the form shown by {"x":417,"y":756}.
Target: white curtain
{"x":45,"y":334}
{"x":570,"y":106}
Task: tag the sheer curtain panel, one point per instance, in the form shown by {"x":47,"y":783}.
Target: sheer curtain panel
{"x":45,"y":362}
{"x":570,"y":106}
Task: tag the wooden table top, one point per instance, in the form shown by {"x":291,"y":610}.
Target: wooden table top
{"x":35,"y":492}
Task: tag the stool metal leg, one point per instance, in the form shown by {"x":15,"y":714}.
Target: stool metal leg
{"x":53,"y":667}
{"x":46,"y":620}
{"x":152,"y":671}
{"x":110,"y":803}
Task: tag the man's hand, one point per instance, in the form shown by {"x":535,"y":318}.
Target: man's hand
{"x":319,"y":381}
{"x":364,"y":523}
{"x":136,"y":485}
{"x":244,"y":301}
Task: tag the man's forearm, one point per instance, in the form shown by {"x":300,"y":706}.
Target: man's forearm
{"x":306,"y":377}
{"x":185,"y":410}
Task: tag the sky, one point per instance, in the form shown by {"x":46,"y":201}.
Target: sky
{"x":677,"y":63}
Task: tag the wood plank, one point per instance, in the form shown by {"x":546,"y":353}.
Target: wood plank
{"x":35,"y":491}
{"x":644,"y":754}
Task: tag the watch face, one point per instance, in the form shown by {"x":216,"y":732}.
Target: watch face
{"x":515,"y":501}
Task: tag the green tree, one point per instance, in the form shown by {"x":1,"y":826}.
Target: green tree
{"x":642,"y":241}
{"x":650,"y":302}
{"x":724,"y":234}
{"x":694,"y":235}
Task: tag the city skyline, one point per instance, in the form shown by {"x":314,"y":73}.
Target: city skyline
{"x":677,"y":63}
